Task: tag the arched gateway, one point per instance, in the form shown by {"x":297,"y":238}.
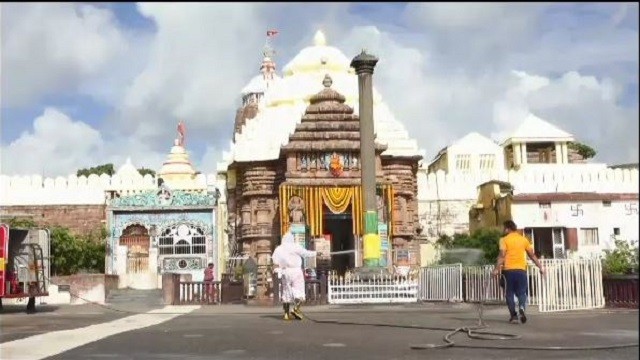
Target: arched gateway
{"x":314,"y":189}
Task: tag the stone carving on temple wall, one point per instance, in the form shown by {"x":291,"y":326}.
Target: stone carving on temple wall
{"x":322,"y":161}
{"x":164,"y":197}
{"x":296,"y":210}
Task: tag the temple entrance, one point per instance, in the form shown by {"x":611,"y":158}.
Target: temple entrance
{"x":137,"y":240}
{"x":138,"y":274}
{"x":339,"y":227}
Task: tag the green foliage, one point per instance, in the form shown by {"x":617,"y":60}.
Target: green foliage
{"x":109,"y":170}
{"x":73,"y":254}
{"x":21,"y":223}
{"x":144,"y":171}
{"x":586,"y":151}
{"x":484,"y":240}
{"x":622,"y":260}
{"x":98,"y":170}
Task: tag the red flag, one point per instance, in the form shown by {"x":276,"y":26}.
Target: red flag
{"x":271,"y":33}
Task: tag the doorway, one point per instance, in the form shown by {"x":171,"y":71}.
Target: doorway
{"x":339,"y":227}
{"x":548,"y":242}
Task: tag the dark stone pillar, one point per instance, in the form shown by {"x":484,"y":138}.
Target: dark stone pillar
{"x":364,"y":64}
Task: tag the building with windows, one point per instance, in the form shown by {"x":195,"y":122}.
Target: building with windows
{"x":576,"y":224}
{"x":560,"y":224}
{"x":472,"y":153}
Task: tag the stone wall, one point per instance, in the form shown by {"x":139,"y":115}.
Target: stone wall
{"x":445,"y":199}
{"x":80,"y":219}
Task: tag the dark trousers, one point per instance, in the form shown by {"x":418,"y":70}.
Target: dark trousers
{"x":516,"y":285}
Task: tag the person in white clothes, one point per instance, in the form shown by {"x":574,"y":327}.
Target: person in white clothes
{"x":287,"y":261}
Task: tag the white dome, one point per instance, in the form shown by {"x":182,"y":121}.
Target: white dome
{"x":128,"y":170}
{"x":310,"y":58}
{"x":286,"y":100}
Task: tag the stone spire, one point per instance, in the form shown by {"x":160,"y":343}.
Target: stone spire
{"x":268,"y":66}
{"x":319,"y":39}
{"x":327,"y":125}
{"x":177,"y":171}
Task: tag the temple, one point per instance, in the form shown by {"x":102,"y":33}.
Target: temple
{"x":294,"y":164}
{"x":168,"y":226}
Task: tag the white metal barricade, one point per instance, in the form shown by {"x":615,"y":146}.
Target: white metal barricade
{"x":441,"y":283}
{"x":378,"y":290}
{"x":570,"y":284}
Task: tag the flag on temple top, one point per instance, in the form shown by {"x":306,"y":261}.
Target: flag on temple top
{"x":271,"y":33}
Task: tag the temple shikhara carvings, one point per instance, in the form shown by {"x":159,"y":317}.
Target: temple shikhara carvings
{"x":294,"y":164}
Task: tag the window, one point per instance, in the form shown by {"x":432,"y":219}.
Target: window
{"x":544,"y":205}
{"x":487,"y":161}
{"x":589,"y":237}
{"x":463,"y":162}
{"x":616,"y":231}
{"x":606,"y":203}
{"x":182,"y":239}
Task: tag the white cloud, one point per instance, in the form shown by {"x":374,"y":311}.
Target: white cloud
{"x":48,"y":48}
{"x":57,"y":145}
{"x":194,"y":72}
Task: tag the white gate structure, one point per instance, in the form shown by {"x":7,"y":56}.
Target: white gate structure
{"x":382,"y":289}
{"x":569,"y":284}
{"x":477,"y":277}
{"x":574,"y":284}
{"x":441,"y":283}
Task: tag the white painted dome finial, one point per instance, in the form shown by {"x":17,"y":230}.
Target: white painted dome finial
{"x":319,"y":39}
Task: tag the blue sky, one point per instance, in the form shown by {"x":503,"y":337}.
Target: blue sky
{"x":113,"y":79}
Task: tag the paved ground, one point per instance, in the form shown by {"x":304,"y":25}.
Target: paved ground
{"x":236,"y":332}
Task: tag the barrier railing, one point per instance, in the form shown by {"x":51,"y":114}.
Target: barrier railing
{"x":382,"y":289}
{"x":574,"y":284}
{"x":441,"y":283}
{"x":621,"y":290}
{"x":475,"y":277}
{"x":200,"y":292}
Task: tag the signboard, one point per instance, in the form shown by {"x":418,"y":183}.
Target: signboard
{"x":4,"y":254}
{"x":322,"y":245}
{"x":384,"y":244}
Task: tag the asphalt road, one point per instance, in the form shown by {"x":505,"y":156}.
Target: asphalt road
{"x":235,"y":332}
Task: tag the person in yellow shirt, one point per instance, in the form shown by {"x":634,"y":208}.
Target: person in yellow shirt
{"x":512,"y":262}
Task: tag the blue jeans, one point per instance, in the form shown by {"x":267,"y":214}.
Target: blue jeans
{"x":516,"y":285}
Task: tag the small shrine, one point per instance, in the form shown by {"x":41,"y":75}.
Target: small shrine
{"x":170,"y":228}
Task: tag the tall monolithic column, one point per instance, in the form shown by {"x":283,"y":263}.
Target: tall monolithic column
{"x":364,"y":64}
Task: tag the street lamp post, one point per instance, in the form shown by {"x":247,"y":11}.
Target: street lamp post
{"x":364,"y":65}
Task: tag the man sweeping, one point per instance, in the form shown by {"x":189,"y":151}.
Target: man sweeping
{"x":512,"y":261}
{"x":287,"y":260}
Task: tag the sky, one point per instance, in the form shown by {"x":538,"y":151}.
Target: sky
{"x":86,"y":84}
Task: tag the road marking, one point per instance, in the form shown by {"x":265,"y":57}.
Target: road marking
{"x":192,"y":335}
{"x":334,"y":345}
{"x":237,"y":351}
{"x":45,"y":345}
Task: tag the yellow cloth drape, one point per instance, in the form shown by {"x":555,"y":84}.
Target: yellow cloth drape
{"x":336,"y":199}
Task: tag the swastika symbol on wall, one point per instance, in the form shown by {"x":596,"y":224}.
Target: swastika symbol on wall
{"x":631,"y":209}
{"x":576,"y":210}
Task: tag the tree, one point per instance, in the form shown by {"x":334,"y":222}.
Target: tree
{"x":21,"y":223}
{"x":98,"y":170}
{"x":586,"y":151}
{"x":481,"y":247}
{"x":71,"y":254}
{"x":144,"y":171}
{"x":622,"y":260}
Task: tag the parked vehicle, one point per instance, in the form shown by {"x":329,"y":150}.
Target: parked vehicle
{"x":24,"y":264}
